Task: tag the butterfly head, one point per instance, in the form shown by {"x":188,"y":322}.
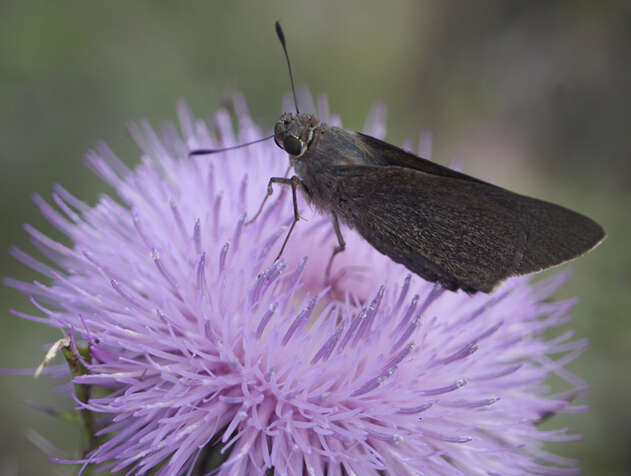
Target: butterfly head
{"x":294,"y":132}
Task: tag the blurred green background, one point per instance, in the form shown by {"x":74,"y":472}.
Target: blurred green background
{"x":531,"y":95}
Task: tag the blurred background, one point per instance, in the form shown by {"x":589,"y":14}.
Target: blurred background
{"x":534,"y":96}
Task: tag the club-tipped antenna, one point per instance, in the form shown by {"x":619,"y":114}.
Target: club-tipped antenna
{"x":224,"y":149}
{"x":281,"y":37}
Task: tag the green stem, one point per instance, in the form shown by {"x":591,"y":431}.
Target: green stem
{"x":83,"y":391}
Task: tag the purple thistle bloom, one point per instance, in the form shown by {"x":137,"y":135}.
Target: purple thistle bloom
{"x":203,"y":343}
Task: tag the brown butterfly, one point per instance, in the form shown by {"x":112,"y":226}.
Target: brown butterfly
{"x":443,"y":225}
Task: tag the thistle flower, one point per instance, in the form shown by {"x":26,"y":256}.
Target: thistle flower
{"x":202,"y":346}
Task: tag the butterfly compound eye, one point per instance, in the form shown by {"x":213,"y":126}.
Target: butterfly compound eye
{"x":292,"y":145}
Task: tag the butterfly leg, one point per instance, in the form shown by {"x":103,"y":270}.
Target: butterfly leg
{"x":341,"y":246}
{"x":294,"y":182}
{"x":256,"y":215}
{"x":283,"y":180}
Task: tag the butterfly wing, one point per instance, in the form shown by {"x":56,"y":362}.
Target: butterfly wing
{"x":388,"y":154}
{"x":464,"y":234}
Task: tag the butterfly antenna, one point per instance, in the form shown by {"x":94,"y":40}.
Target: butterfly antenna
{"x":224,"y":149}
{"x":281,"y":37}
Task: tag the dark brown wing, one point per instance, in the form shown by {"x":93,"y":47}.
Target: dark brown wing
{"x":389,"y":154}
{"x":463,"y":234}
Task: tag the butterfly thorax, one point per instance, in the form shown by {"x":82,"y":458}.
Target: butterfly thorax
{"x":315,"y":149}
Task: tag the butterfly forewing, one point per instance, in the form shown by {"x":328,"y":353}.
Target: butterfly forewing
{"x":388,"y":154}
{"x":463,"y":234}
